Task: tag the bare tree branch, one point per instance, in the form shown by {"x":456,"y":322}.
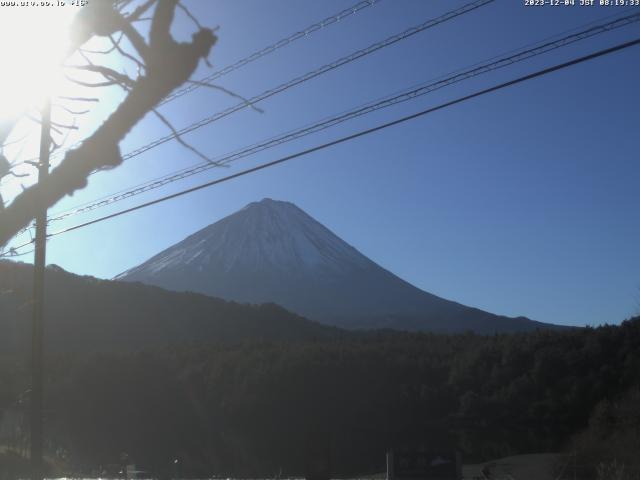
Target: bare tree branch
{"x":228,"y":92}
{"x":169,"y":64}
{"x":80,"y":99}
{"x":107,"y":83}
{"x":13,"y":142}
{"x":115,"y":44}
{"x":190,"y":15}
{"x":107,"y":73}
{"x":70,"y":111}
{"x":55,"y":146}
{"x":125,"y":54}
{"x":37,"y":121}
{"x":177,"y":136}
{"x":141,"y":10}
{"x":7,"y":169}
{"x":65,"y":127}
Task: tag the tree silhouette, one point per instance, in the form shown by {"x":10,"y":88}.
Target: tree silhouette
{"x":163,"y":65}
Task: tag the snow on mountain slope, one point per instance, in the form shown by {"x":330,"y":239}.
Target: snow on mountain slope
{"x":272,"y":251}
{"x":266,"y":234}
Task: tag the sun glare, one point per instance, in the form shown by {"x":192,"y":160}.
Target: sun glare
{"x":33,"y":41}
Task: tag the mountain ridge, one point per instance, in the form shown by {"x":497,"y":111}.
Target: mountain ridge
{"x":273,"y":251}
{"x":86,"y":314}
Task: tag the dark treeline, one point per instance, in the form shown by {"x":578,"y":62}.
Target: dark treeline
{"x":261,"y":408}
{"x":85,"y":314}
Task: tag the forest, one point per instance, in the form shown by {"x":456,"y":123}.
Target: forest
{"x":268,"y":407}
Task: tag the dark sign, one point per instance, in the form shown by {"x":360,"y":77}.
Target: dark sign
{"x":423,"y":465}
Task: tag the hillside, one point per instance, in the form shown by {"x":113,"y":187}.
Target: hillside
{"x":254,"y":409}
{"x":87,"y":314}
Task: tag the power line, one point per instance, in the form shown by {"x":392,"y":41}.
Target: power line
{"x":304,"y":33}
{"x":273,"y":47}
{"x":307,"y":76}
{"x":13,"y":251}
{"x":407,"y":95}
{"x":312,"y":74}
{"x":362,"y":133}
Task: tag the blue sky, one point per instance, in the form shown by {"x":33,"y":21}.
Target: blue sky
{"x":521,"y":202}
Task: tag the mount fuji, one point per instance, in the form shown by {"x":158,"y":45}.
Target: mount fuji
{"x":273,"y":252}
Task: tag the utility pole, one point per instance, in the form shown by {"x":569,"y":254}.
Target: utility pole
{"x":37,"y":364}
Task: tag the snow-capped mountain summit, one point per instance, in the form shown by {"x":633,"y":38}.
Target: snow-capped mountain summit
{"x":272,"y":251}
{"x":265,"y":235}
